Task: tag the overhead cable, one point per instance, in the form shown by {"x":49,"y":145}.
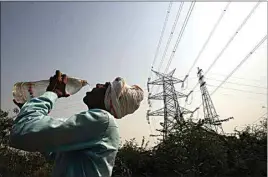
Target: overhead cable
{"x":230,"y":40}
{"x":237,"y":83}
{"x":209,"y":37}
{"x":180,"y":35}
{"x":239,"y":65}
{"x":248,"y":91}
{"x":242,"y":62}
{"x":162,"y":34}
{"x":171,"y":35}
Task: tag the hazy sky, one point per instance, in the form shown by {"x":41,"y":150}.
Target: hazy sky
{"x":100,"y":41}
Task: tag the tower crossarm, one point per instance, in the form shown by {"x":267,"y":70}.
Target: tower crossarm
{"x":158,"y":112}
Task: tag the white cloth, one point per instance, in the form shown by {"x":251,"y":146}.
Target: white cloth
{"x":122,"y":99}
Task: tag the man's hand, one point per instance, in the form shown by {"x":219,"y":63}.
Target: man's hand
{"x":58,"y":84}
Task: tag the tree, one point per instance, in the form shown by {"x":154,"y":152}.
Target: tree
{"x":17,"y":163}
{"x":189,"y":151}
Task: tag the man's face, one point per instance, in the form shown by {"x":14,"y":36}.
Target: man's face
{"x":95,"y":98}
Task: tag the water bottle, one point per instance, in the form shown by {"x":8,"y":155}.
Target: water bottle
{"x":24,"y":91}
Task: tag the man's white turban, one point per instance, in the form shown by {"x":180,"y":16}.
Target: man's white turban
{"x":122,"y":99}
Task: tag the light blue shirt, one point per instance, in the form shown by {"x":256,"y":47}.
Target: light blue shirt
{"x":85,"y":145}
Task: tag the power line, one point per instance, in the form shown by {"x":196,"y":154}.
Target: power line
{"x":242,"y":78}
{"x":236,"y":90}
{"x":237,"y":83}
{"x":171,"y":35}
{"x":178,"y":39}
{"x":230,"y":40}
{"x":180,"y":35}
{"x":246,"y":91}
{"x":242,"y":62}
{"x":244,"y":97}
{"x":209,"y":37}
{"x":239,"y":65}
{"x":162,"y":34}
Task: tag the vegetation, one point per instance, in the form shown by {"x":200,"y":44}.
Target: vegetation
{"x":190,"y":151}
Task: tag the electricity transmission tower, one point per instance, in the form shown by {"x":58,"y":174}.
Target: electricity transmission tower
{"x":210,"y":115}
{"x":172,"y":111}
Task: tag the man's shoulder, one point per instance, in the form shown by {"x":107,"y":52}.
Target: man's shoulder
{"x":105,"y":120}
{"x":99,"y":116}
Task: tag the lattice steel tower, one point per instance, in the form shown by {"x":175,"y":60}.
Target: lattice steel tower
{"x":171,"y":111}
{"x":210,"y":114}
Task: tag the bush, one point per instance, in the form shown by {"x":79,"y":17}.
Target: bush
{"x":191,"y":150}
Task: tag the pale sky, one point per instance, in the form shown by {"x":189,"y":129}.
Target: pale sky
{"x":100,"y":41}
